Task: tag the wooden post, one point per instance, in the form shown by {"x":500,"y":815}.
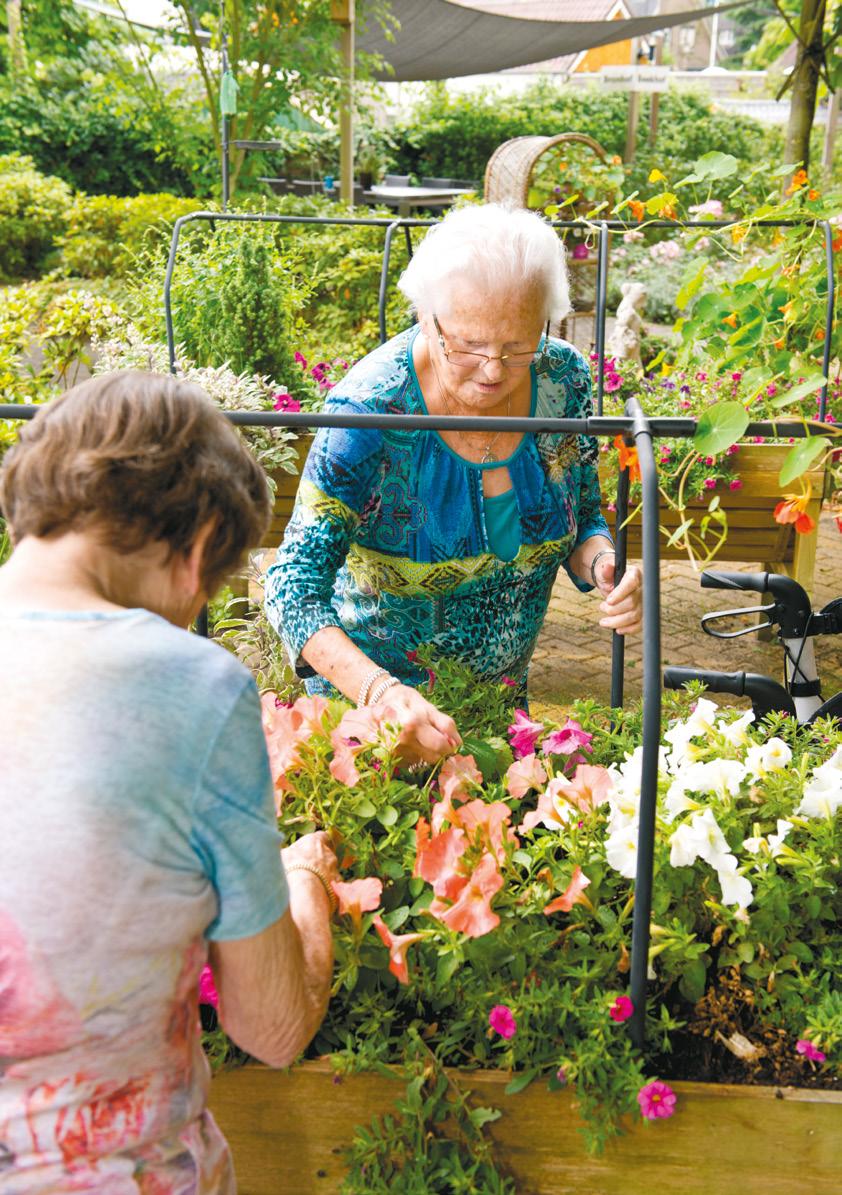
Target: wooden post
{"x":655,"y":102}
{"x":631,"y":127}
{"x":342,"y":12}
{"x":830,"y":129}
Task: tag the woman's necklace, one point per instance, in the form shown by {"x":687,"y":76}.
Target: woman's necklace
{"x":488,"y":457}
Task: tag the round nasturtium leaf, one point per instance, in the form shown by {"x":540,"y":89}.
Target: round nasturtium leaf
{"x":719,"y":427}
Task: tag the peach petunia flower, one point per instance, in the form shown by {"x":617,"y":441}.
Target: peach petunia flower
{"x":397,"y":945}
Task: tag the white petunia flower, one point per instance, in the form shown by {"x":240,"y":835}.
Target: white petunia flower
{"x":621,"y":849}
{"x":719,"y":777}
{"x":700,"y":838}
{"x":823,"y":795}
{"x":753,"y":845}
{"x":772,"y":756}
{"x":736,"y":889}
{"x":735,"y":732}
{"x":776,"y":840}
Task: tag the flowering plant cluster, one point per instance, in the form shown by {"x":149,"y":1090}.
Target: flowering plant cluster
{"x":486,"y":910}
{"x":318,"y":378}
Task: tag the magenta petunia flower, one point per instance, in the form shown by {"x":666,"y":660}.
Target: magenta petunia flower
{"x":710,"y":483}
{"x":502,"y":1021}
{"x":524,"y":734}
{"x":285,"y":402}
{"x":507,"y":680}
{"x":613,"y":382}
{"x":736,"y":484}
{"x":805,"y":1046}
{"x":300,"y":359}
{"x":657,"y":1100}
{"x":580,"y":251}
{"x":621,"y":1009}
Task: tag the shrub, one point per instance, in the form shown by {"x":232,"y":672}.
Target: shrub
{"x":105,"y":233}
{"x":33,"y":212}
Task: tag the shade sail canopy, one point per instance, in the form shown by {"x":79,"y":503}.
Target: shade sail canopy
{"x":437,"y":39}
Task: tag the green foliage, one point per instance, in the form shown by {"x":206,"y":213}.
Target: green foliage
{"x":96,"y":121}
{"x":33,"y":212}
{"x":106,"y":234}
{"x":236,"y":299}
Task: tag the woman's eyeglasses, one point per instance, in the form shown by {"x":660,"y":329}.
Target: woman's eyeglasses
{"x":507,"y":360}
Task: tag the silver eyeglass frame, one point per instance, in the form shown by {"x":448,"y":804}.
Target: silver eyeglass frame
{"x":537,"y":358}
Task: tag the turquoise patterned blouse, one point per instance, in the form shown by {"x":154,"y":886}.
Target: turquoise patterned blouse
{"x":388,"y":538}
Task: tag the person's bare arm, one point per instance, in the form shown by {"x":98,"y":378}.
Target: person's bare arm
{"x":427,"y":733}
{"x":274,"y":986}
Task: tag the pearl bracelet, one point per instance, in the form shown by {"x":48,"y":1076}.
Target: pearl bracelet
{"x":368,"y":681}
{"x":320,"y":875}
{"x":382,"y":688}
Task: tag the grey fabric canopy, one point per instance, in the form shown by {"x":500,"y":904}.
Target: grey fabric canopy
{"x":441,"y":40}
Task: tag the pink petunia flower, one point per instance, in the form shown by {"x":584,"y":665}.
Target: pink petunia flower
{"x":568,"y":738}
{"x":397,"y":945}
{"x":580,"y":251}
{"x":502,"y":1021}
{"x":459,"y":774}
{"x":357,"y":897}
{"x":507,"y":680}
{"x":572,"y":894}
{"x":710,"y":483}
{"x":736,"y":484}
{"x":524,"y":734}
{"x":471,"y":913}
{"x":207,"y":988}
{"x":813,"y":1053}
{"x":300,"y":359}
{"x":613,"y":382}
{"x":657,"y":1100}
{"x":621,"y":1009}
{"x":524,"y":774}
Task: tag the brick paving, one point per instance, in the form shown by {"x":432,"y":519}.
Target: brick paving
{"x":573,"y":656}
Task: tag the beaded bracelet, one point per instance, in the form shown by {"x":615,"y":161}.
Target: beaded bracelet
{"x":368,"y":681}
{"x":382,"y":688}
{"x":320,"y":875}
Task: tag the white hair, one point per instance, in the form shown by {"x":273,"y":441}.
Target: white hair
{"x":496,"y":248}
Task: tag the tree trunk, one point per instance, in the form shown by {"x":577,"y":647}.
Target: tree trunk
{"x":805,"y":82}
{"x":17,"y":46}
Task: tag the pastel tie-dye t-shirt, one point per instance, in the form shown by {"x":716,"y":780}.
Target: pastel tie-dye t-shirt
{"x":136,"y":821}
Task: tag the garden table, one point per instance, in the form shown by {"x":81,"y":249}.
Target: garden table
{"x":407,"y":198}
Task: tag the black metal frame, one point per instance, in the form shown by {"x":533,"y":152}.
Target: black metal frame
{"x":603,"y":229}
{"x":634,"y":426}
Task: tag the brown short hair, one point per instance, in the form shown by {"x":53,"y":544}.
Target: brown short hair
{"x":141,"y":457}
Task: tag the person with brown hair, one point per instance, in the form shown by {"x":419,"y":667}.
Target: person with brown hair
{"x":136,"y":810}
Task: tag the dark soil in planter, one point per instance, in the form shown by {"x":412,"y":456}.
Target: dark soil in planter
{"x":708,"y":1051}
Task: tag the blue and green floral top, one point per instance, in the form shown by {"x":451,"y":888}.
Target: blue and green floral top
{"x":388,"y":539}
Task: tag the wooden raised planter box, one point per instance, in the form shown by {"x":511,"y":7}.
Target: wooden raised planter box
{"x":753,"y":533}
{"x":287,"y":1130}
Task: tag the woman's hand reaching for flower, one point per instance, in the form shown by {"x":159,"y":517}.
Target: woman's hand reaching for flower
{"x":426,"y":733}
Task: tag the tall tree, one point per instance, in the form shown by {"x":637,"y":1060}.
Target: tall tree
{"x":279,"y":50}
{"x":817,"y":32}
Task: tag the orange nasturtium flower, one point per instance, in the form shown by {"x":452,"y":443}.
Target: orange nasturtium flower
{"x":628,"y":458}
{"x":812,"y":193}
{"x":780,"y":342}
{"x":637,"y":209}
{"x":799,"y":180}
{"x":738,"y":235}
{"x":668,"y":212}
{"x":730,"y":319}
{"x":836,"y":243}
{"x":793,"y":509}
{"x":819,"y":334}
{"x":786,"y":310}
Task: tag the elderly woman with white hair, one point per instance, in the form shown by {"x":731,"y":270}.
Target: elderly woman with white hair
{"x":450,"y":538}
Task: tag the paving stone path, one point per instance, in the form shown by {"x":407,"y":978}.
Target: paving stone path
{"x":573,"y":656}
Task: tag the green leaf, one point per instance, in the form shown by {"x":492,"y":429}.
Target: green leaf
{"x":521,"y":1081}
{"x":481,"y":1116}
{"x":678,"y":533}
{"x":485,"y":757}
{"x":692,"y":283}
{"x":808,"y":386}
{"x":692,"y":982}
{"x":719,"y":427}
{"x":654,"y":205}
{"x":387,"y":816}
{"x":365,"y":808}
{"x":397,"y":917}
{"x":800,"y":457}
{"x":715,"y":165}
{"x":447,"y":967}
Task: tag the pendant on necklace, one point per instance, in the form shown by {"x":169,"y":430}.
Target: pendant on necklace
{"x":488,"y":457}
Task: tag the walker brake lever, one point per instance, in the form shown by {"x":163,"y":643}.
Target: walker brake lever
{"x":715,"y":616}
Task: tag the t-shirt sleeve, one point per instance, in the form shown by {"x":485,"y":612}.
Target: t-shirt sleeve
{"x":234,"y":832}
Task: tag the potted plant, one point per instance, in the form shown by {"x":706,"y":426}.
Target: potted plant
{"x":482,"y":949}
{"x":369,"y":163}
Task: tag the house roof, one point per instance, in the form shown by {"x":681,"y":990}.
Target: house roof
{"x":442,"y":39}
